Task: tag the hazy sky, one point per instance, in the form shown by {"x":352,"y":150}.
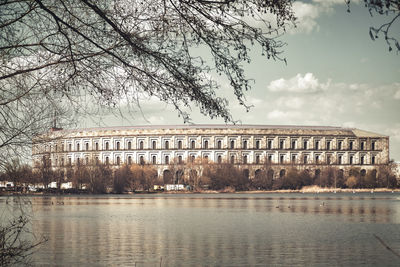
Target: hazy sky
{"x":336,"y":76}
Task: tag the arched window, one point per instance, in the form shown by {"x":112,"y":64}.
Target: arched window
{"x":69,"y":147}
{"x":87,"y":146}
{"x":107,"y":145}
{"x":205,"y":144}
{"x":340,"y":159}
{"x":118,"y":160}
{"x":257,"y":159}
{"x":351,"y":145}
{"x":166,"y":159}
{"x":305,"y":159}
{"x":293,"y":144}
{"x":129,"y":160}
{"x":118,"y":146}
{"x":180,"y":160}
{"x":373,"y":160}
{"x":245,"y":144}
{"x":282,"y":159}
{"x":154,"y":160}
{"x":219,"y":159}
{"x":232,"y":144}
{"x":219,"y":144}
{"x":362,"y":160}
{"x":77,"y":147}
{"x":193,"y":144}
{"x":351,"y":160}
{"x":179,"y":144}
{"x":154,"y":144}
{"x":129,"y":145}
{"x":232,"y":159}
{"x":166,"y":144}
{"x":107,"y":161}
{"x":305,"y":144}
{"x":141,"y":145}
{"x":141,"y":160}
{"x":258,"y":144}
{"x":97,"y":146}
{"x":245,"y":159}
{"x":316,"y":144}
{"x":192,"y":158}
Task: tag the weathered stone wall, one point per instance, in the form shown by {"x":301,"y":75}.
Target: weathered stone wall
{"x":249,"y":147}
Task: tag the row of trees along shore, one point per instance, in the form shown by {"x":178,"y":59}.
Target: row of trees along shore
{"x":101,"y":178}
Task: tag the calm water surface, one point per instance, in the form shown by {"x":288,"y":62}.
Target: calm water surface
{"x":218,"y":230}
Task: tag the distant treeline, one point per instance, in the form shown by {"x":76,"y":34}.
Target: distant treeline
{"x":101,"y":178}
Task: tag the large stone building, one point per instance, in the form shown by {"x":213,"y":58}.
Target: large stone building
{"x":247,"y":146}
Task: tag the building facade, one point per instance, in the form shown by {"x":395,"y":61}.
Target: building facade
{"x":247,"y":146}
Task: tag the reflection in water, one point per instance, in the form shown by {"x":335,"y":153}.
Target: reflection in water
{"x":218,"y":230}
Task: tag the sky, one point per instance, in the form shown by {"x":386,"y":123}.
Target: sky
{"x":335,"y":76}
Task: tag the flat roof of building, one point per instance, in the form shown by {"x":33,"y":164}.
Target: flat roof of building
{"x":332,"y":130}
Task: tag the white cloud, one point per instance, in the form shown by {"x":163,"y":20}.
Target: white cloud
{"x":283,"y":115}
{"x":300,"y":84}
{"x":307,"y":13}
{"x":290,"y":102}
{"x":397,"y":95}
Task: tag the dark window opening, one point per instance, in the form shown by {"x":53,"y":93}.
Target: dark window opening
{"x":193,"y":144}
{"x":129,"y":145}
{"x":232,"y":159}
{"x":245,"y":144}
{"x":154,"y":145}
{"x":179,"y":144}
{"x":219,"y":144}
{"x":269,"y":144}
{"x":219,"y":159}
{"x":281,"y":144}
{"x":232,"y":144}
{"x":154,"y":160}
{"x":257,"y":159}
{"x":166,"y":145}
{"x":141,"y":145}
{"x":206,"y":144}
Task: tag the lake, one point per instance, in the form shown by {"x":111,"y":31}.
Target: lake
{"x":276,"y":229}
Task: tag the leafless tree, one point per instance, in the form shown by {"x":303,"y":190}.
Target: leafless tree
{"x":57,"y":56}
{"x":391,"y":9}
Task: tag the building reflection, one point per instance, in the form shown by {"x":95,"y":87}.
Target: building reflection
{"x":214,"y":231}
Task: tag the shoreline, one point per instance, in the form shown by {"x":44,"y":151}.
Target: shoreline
{"x":309,"y":189}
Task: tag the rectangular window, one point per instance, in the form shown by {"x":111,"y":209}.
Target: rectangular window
{"x":316,"y":145}
{"x":269,"y":144}
{"x":258,"y":144}
{"x":373,"y":145}
{"x":281,"y":144}
{"x":328,"y":145}
{"x":305,"y":144}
